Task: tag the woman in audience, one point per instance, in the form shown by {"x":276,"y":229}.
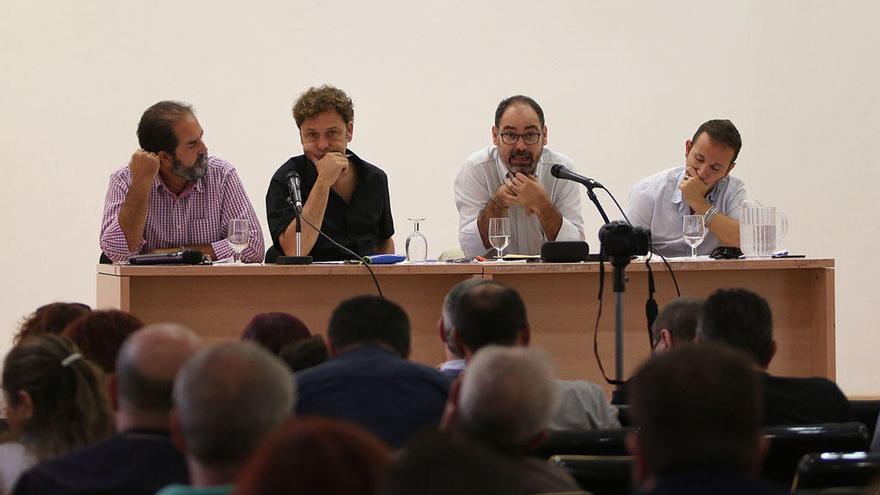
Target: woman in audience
{"x":99,"y":335}
{"x":273,"y":331}
{"x":55,"y":403}
{"x":317,"y":455}
{"x":50,"y":318}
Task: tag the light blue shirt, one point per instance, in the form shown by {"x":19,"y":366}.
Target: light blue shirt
{"x":656,"y":203}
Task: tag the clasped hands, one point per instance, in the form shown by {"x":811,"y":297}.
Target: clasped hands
{"x":524,"y":190}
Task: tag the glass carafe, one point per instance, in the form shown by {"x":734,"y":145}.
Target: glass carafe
{"x":416,"y":244}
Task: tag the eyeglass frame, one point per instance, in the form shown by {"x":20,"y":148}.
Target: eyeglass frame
{"x":537,"y":137}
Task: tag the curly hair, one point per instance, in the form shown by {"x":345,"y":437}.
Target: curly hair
{"x":316,"y":101}
{"x":50,"y":318}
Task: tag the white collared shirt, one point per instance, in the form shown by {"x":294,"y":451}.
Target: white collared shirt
{"x":477,"y":181}
{"x":656,"y":203}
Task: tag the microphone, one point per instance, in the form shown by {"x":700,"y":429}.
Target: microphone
{"x":562,"y":172}
{"x":189,"y":257}
{"x":295,"y":191}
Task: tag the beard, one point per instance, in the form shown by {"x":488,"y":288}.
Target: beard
{"x":521,"y":162}
{"x":195,"y":172}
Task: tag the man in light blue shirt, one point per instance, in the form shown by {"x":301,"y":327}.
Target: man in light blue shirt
{"x":703,"y":186}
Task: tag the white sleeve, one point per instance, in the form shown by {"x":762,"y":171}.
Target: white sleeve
{"x":640,"y":209}
{"x":471,"y":196}
{"x":569,"y":206}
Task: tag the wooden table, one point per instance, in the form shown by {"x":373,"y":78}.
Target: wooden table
{"x":218,"y":301}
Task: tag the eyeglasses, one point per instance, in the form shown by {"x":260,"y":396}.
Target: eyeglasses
{"x":528,"y":138}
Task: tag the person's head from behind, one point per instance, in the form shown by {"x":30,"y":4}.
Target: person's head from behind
{"x":273,"y":331}
{"x":676,"y":324}
{"x":741,"y":319}
{"x":507,"y":397}
{"x":317,"y":455}
{"x":369,"y":320}
{"x":490,"y":314}
{"x":171,"y":130}
{"x":713,"y":150}
{"x":100,"y":334}
{"x":227,"y":398}
{"x":305,"y":353}
{"x":146,"y":367}
{"x":698,"y":408}
{"x":438,"y":464}
{"x":449,"y":313}
{"x":50,"y":318}
{"x":55,"y":399}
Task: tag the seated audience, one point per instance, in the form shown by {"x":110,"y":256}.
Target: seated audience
{"x":698,"y":413}
{"x":317,"y":456}
{"x":437,"y":464}
{"x":455,"y":362}
{"x":99,"y":335}
{"x":305,"y":353}
{"x":55,"y":403}
{"x":505,"y":401}
{"x":490,"y":313}
{"x":368,"y":380}
{"x":676,"y":324}
{"x":140,"y":458}
{"x":227,"y":399}
{"x":50,"y":318}
{"x":275,"y":330}
{"x":742,"y":319}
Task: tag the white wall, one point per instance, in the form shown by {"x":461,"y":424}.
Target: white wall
{"x":623,"y":85}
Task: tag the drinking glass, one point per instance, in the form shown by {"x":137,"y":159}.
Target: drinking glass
{"x":416,"y":244}
{"x":239,"y":235}
{"x":499,"y":234}
{"x":694,"y":232}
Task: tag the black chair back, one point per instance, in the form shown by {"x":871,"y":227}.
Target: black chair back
{"x":596,"y":442}
{"x":788,"y":444}
{"x":837,"y":470}
{"x":600,"y":475}
{"x":866,"y":411}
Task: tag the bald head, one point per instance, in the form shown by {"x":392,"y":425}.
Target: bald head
{"x":148,"y":362}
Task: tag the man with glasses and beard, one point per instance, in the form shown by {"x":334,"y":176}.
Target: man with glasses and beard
{"x":512,"y":179}
{"x":173,"y":196}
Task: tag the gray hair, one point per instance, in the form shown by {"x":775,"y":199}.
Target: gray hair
{"x":228,"y":398}
{"x":450,"y":309}
{"x":508,"y":395}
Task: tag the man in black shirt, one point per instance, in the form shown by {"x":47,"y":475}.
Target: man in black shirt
{"x":344,"y":196}
{"x":742,"y":319}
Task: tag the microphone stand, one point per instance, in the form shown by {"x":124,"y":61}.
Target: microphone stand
{"x":299,"y":259}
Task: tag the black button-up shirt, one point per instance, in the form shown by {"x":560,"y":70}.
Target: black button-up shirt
{"x":359,"y":225}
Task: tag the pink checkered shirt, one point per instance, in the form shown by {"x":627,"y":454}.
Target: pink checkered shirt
{"x":200,"y":215}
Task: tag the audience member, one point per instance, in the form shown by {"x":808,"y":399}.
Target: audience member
{"x":305,"y":353}
{"x":50,"y":318}
{"x":99,"y":335}
{"x":140,"y":458}
{"x":490,"y":313}
{"x":55,"y":403}
{"x":698,"y":412}
{"x":317,"y":456}
{"x":437,"y":464}
{"x":742,"y":319}
{"x":275,"y":330}
{"x":455,"y":362}
{"x":506,"y":401}
{"x":227,"y":399}
{"x":368,"y":380}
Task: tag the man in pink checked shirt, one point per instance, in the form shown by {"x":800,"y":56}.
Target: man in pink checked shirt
{"x":172,"y":195}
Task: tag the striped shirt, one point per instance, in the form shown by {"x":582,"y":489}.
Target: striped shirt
{"x":198,"y":215}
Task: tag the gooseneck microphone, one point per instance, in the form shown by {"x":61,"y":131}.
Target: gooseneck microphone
{"x":563,"y":172}
{"x":293,"y":184}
